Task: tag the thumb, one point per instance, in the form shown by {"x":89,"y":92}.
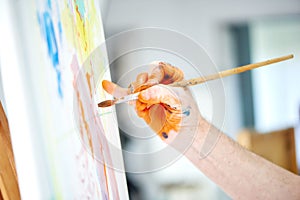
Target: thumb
{"x":114,"y":89}
{"x":160,"y":94}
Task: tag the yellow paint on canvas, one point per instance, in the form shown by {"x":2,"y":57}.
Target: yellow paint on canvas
{"x":83,"y":30}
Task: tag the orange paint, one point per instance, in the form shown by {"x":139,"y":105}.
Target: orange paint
{"x":171,"y":73}
{"x":108,"y":86}
{"x":161,"y":117}
{"x":91,"y":130}
{"x":83,"y":30}
{"x":88,"y":78}
{"x":86,"y":125}
{"x":166,"y":73}
{"x":106,"y":178}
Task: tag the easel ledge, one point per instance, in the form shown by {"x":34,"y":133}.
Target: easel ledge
{"x":9,"y":188}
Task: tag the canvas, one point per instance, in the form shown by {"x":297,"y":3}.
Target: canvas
{"x":76,"y":145}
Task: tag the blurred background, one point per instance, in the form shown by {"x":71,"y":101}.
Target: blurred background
{"x":233,"y":33}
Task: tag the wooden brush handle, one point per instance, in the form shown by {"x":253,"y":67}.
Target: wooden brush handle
{"x":229,"y":72}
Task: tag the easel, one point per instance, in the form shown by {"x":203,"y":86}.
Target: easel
{"x":9,"y":189}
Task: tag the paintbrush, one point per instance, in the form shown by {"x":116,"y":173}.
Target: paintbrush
{"x":199,"y":80}
{"x":124,"y":99}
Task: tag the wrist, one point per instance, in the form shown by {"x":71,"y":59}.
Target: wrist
{"x":204,"y":142}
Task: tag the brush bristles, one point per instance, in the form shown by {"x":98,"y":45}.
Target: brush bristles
{"x":106,"y":103}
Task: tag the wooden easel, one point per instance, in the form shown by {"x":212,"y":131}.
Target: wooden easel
{"x":9,"y":188}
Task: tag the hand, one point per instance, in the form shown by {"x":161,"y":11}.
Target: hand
{"x":169,"y":111}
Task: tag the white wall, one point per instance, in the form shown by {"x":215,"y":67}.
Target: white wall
{"x":277,"y":94}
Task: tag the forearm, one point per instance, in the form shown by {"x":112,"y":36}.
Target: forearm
{"x":240,"y":173}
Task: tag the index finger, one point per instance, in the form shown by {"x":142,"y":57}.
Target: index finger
{"x":160,"y":94}
{"x":114,"y":89}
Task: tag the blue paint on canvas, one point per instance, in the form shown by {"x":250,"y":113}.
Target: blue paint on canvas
{"x":48,"y":31}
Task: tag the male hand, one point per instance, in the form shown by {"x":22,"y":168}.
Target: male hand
{"x":169,"y":111}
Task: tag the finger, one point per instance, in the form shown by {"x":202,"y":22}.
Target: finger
{"x":168,"y":127}
{"x":173,"y":119}
{"x":162,"y":73}
{"x":162,"y":121}
{"x":140,"y":106}
{"x":159,"y":94}
{"x":145,"y":115}
{"x":165,"y":131}
{"x":143,"y":111}
{"x":114,"y":89}
{"x":157,"y":118}
{"x":170,"y":73}
{"x":140,"y":80}
{"x":157,"y":73}
{"x":177,"y":75}
{"x":143,"y":82}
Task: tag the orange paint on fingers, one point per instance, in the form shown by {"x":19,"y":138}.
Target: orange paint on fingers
{"x":157,"y":74}
{"x":114,"y":89}
{"x":142,"y":113}
{"x":171,"y":73}
{"x":140,"y":106}
{"x":153,"y":95}
{"x":158,"y":94}
{"x":165,"y":131}
{"x":144,"y":86}
{"x":157,"y":117}
{"x":142,"y":78}
{"x":108,"y":86}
